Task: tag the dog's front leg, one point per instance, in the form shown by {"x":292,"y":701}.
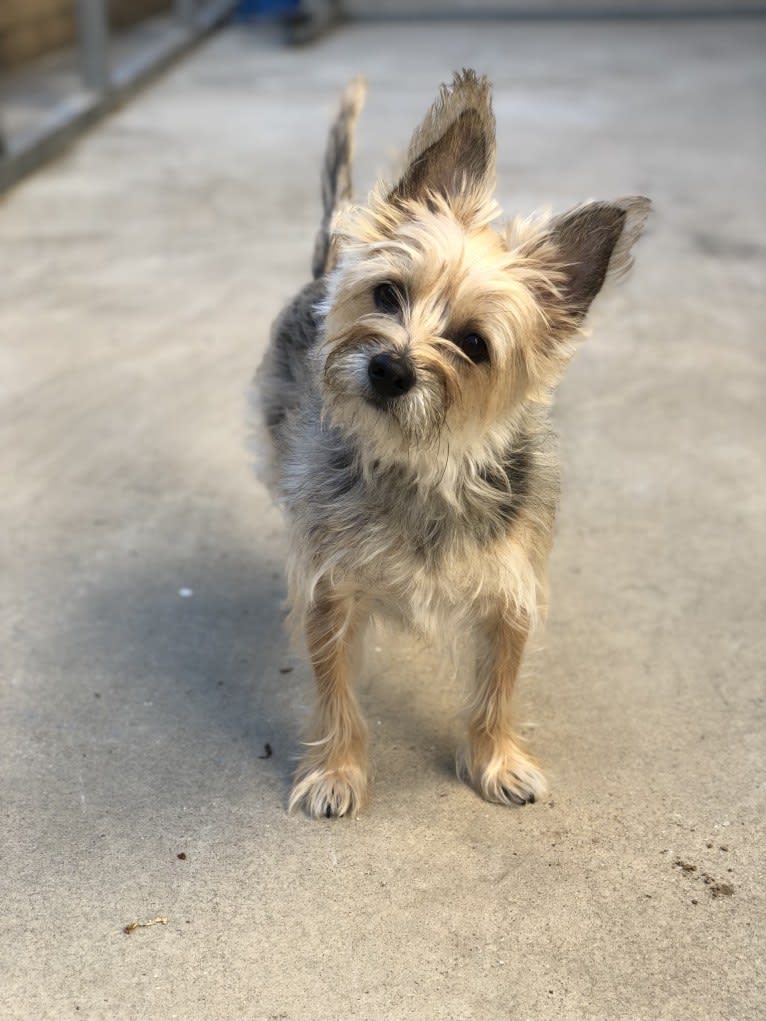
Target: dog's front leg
{"x":332,"y":777}
{"x":493,"y":760}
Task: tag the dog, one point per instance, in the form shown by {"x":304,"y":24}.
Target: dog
{"x":405,"y":396}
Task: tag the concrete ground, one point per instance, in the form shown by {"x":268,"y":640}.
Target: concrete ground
{"x":144,"y":667}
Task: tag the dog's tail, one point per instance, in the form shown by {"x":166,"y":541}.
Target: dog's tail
{"x":336,"y":172}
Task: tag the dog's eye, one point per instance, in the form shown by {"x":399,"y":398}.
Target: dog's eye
{"x":474,"y":347}
{"x":387,"y":298}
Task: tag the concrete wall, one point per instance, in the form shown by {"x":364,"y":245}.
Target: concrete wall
{"x":31,"y":28}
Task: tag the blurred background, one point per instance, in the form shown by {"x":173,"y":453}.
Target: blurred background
{"x":63,"y":62}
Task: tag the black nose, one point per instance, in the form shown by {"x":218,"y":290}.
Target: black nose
{"x":390,"y":375}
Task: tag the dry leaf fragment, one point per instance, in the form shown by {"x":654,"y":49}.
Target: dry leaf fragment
{"x":159,"y":920}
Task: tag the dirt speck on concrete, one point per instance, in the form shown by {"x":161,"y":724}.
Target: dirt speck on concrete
{"x":715,"y":888}
{"x":684,"y":865}
{"x":722,"y":890}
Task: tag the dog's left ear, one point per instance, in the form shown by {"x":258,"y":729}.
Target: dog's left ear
{"x":452,"y":153}
{"x":569,"y":259}
{"x":591,"y":242}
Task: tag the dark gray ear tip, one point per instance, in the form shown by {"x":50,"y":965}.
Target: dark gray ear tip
{"x":467,"y":90}
{"x":636,"y":209}
{"x":634,"y":200}
{"x":467,"y":78}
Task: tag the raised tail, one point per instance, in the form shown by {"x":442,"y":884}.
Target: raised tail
{"x":336,"y":171}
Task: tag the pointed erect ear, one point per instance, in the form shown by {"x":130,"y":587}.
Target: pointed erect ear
{"x":452,"y":153}
{"x":592,"y":241}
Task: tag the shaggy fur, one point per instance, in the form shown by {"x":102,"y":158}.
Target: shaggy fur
{"x":405,"y":393}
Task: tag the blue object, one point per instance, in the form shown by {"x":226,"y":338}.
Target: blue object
{"x":255,"y":8}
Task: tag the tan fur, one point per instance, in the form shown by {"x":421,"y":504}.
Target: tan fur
{"x":332,"y":779}
{"x":432,"y":505}
{"x":493,"y":759}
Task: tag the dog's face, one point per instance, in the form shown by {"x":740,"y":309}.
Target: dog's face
{"x":437,"y":325}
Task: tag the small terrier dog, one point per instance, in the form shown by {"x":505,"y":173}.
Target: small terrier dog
{"x":405,"y":393}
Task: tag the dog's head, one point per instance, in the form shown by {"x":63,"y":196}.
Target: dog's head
{"x":436,"y":323}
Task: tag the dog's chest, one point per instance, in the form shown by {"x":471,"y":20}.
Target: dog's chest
{"x":396,"y":518}
{"x":423,"y":552}
{"x":430,"y":556}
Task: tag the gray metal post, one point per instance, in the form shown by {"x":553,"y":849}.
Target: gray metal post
{"x":186,"y":11}
{"x":93,"y":24}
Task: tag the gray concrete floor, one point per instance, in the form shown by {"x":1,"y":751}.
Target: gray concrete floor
{"x":139,"y":276}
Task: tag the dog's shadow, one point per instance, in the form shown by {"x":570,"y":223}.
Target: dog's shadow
{"x":196,"y":655}
{"x":192,"y":654}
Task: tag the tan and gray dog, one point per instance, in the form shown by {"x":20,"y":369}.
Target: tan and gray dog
{"x":406,"y":393}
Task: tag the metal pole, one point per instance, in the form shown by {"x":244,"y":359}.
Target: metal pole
{"x":93,"y":26}
{"x":186,"y":12}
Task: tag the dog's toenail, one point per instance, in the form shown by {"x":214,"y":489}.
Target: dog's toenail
{"x":531,"y":799}
{"x":328,"y":812}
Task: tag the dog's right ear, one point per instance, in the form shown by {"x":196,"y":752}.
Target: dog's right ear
{"x":452,"y":153}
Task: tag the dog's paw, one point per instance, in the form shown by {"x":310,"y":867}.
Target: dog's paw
{"x":503,"y":773}
{"x":326,"y":793}
{"x":513,"y":784}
